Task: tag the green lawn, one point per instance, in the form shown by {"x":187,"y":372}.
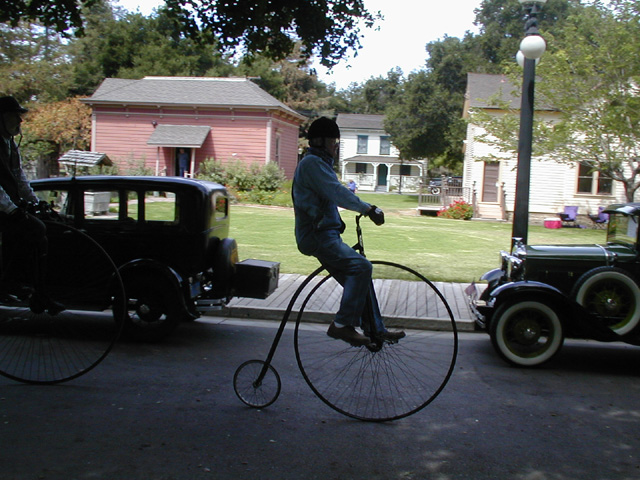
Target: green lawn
{"x":441,"y":249}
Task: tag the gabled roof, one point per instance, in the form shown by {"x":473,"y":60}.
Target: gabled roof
{"x":493,"y":92}
{"x":80,"y":158}
{"x":352,"y":121}
{"x":231,"y":92}
{"x":486,"y":91}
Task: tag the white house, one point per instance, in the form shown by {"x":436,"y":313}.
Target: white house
{"x":368,"y":157}
{"x":553,"y":185}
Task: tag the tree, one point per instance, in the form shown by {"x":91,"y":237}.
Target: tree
{"x":591,"y":74}
{"x":32,"y":63}
{"x":421,"y":133}
{"x":59,"y":14}
{"x":329,"y":28}
{"x":51,"y":129}
{"x":130,"y":45}
{"x":424,"y":121}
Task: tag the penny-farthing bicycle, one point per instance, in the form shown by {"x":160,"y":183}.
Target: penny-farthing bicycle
{"x":45,"y":347}
{"x":380,"y":382}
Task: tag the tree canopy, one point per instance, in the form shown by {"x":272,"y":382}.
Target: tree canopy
{"x":327,"y":28}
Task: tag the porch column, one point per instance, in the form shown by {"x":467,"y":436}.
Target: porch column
{"x":192,"y":170}
{"x":269,"y":134}
{"x":375,"y":175}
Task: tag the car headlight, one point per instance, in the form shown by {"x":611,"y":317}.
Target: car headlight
{"x":512,"y":266}
{"x":516,"y":268}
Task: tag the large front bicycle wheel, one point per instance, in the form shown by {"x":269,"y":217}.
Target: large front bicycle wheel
{"x":392,"y":380}
{"x":44,"y":348}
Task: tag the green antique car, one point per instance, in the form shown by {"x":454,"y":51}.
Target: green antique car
{"x":544,"y":293}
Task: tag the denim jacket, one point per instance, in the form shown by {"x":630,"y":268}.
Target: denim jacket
{"x":317,"y":193}
{"x":14,"y":185}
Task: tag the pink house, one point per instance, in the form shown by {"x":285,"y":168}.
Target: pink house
{"x":149,"y":122}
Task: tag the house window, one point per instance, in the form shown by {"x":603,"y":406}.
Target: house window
{"x":592,"y":182}
{"x":277,"y":156}
{"x":385,"y":145}
{"x":363,"y":141}
{"x":405,"y":170}
{"x":361,"y":168}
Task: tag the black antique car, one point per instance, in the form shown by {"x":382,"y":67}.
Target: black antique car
{"x":544,"y":293}
{"x":169,"y":238}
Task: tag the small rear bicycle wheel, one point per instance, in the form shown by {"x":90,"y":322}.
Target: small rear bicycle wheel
{"x":46,"y":348}
{"x":253,"y":390}
{"x":389,"y":381}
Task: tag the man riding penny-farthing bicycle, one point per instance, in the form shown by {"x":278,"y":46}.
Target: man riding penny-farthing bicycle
{"x":317,"y":194}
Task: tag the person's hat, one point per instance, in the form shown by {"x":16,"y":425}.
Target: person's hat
{"x":10,"y":104}
{"x":323,"y":127}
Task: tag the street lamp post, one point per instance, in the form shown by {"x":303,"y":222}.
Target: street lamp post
{"x":531,"y":49}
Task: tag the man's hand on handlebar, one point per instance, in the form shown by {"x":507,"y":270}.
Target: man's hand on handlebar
{"x":376,"y":215}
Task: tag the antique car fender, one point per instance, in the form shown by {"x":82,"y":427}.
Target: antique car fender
{"x":576,"y":320}
{"x":511,"y":290}
{"x":527,"y":322}
{"x":148,"y":265}
{"x":524,"y":290}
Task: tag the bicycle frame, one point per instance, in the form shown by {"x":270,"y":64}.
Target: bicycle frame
{"x":358,"y":247}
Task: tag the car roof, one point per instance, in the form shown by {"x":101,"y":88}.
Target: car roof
{"x":133,"y":182}
{"x":624,"y":208}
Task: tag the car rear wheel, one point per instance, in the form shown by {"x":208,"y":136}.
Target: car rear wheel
{"x":526,"y":333}
{"x":153,"y":308}
{"x":613,"y":295}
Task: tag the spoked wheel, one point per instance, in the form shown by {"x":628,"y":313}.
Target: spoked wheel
{"x":45,"y":347}
{"x":387,"y":381}
{"x":255,"y":388}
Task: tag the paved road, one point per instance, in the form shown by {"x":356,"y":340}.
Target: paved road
{"x":168,"y":411}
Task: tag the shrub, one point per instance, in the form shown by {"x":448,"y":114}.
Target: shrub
{"x":457,"y":210}
{"x":260,"y":184}
{"x":212,"y":171}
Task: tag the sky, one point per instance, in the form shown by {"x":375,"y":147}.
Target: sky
{"x":407,"y":27}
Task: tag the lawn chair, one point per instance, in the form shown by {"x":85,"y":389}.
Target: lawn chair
{"x":600,"y":220}
{"x":569,"y":216}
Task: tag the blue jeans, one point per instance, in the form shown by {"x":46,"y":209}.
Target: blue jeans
{"x":353,"y":272}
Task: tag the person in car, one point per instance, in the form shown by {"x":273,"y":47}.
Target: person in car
{"x":26,"y":234}
{"x":317,"y":193}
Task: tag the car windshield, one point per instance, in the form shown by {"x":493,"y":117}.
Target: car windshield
{"x":622,"y":229}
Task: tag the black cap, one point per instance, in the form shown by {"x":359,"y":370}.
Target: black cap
{"x":10,"y":104}
{"x":323,"y":127}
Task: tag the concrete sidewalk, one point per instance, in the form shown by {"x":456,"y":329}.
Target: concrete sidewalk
{"x":403,"y":303}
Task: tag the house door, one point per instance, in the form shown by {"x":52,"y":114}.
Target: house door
{"x":383,"y":172}
{"x":490,"y":182}
{"x":182,"y":162}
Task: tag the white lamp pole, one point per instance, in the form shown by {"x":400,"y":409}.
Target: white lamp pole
{"x":531,"y":49}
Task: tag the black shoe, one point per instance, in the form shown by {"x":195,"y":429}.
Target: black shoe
{"x":349,"y":335}
{"x":39,"y":303}
{"x":15,"y":291}
{"x":8,"y":300}
{"x":391,"y":336}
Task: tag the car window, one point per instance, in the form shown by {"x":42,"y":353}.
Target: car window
{"x":58,"y":199}
{"x":220,"y":206}
{"x":101,"y":204}
{"x":161,"y":206}
{"x":623,"y":229}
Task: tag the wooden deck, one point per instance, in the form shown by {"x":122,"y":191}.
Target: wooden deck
{"x":402,"y":303}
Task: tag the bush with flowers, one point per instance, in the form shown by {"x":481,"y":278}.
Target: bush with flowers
{"x":458,"y":210}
